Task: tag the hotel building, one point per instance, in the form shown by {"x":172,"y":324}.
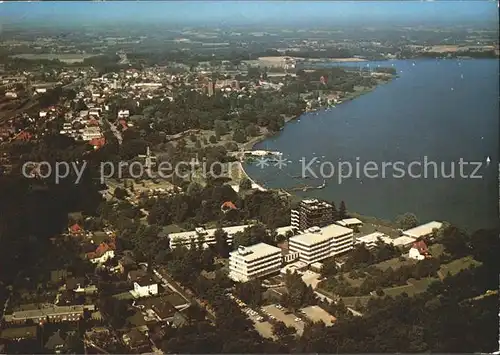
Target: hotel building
{"x":312,"y":213}
{"x":317,"y":244}
{"x":201,"y":235}
{"x":255,"y":261}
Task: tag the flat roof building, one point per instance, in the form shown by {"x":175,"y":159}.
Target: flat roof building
{"x":350,"y":222}
{"x":403,"y":241}
{"x":317,"y":244}
{"x":247,"y":263}
{"x":312,"y":213}
{"x":51,"y":314}
{"x":424,"y":230}
{"x":371,"y":240}
{"x":202,"y":235}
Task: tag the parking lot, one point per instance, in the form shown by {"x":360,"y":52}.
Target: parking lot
{"x":261,"y":325}
{"x":317,"y":314}
{"x":289,"y":319}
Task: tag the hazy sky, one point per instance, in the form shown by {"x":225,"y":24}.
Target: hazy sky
{"x":249,"y":11}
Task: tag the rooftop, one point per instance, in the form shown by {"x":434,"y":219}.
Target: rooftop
{"x":402,"y":241}
{"x":314,"y":203}
{"x":349,"y":221}
{"x":256,"y":251}
{"x":374,"y":237}
{"x":423,"y":230}
{"x":16,"y":333}
{"x":192,"y":235}
{"x":44,"y":312}
{"x":323,"y":234}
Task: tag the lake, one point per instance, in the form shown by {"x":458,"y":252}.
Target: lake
{"x":437,"y":111}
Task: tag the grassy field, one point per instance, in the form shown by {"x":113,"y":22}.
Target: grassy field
{"x":63,"y":57}
{"x":394,"y":263}
{"x":458,"y":265}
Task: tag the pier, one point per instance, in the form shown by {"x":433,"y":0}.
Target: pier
{"x":309,"y":187}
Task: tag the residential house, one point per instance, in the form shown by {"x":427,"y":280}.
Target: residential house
{"x":57,"y":276}
{"x":103,"y":253}
{"x":228,"y":206}
{"x":137,"y":341}
{"x":419,"y":251}
{"x":75,"y":230}
{"x":56,"y":343}
{"x":73,"y":283}
{"x":126,"y":263}
{"x":145,"y":287}
{"x":135,"y":275}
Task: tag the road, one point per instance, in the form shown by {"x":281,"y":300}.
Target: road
{"x":174,"y":286}
{"x":115,"y":131}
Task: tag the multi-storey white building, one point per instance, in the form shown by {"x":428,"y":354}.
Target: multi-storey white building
{"x":201,"y":235}
{"x":317,"y":244}
{"x":254,"y":261}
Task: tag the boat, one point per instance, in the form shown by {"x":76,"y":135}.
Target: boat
{"x":488,"y":160}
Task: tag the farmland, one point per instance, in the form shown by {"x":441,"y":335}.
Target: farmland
{"x":68,"y":58}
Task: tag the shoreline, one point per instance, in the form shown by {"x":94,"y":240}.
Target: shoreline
{"x":251,"y":146}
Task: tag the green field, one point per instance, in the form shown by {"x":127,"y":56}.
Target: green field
{"x":458,"y":265}
{"x":63,"y":57}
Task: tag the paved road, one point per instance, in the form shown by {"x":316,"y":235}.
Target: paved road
{"x":115,"y":131}
{"x":174,"y":286}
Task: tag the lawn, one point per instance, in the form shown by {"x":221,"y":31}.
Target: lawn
{"x":394,"y":263}
{"x":458,"y":265}
{"x":351,"y":301}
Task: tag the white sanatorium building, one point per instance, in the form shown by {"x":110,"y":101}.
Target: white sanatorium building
{"x":254,"y":261}
{"x":207,"y":236}
{"x":317,"y":244}
{"x":424,"y":230}
{"x":372,"y":240}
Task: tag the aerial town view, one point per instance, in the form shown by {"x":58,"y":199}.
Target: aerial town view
{"x":249,"y":177}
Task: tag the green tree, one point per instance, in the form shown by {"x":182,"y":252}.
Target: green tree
{"x":407,"y":221}
{"x":329,"y":268}
{"x":342,"y":210}
{"x":245,"y":184}
{"x":239,"y":136}
{"x":212,"y":139}
{"x":250,"y":292}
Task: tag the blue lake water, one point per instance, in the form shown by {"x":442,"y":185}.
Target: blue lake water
{"x":439,"y":110}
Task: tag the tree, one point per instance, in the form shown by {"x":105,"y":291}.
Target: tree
{"x":221,"y":245}
{"x":407,"y":221}
{"x":239,"y":136}
{"x":245,"y":184}
{"x":329,"y":268}
{"x":284,"y":333}
{"x":252,"y":130}
{"x":120,"y":193}
{"x":250,"y":292}
{"x":212,"y":139}
{"x":455,"y":241}
{"x":342,"y":210}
